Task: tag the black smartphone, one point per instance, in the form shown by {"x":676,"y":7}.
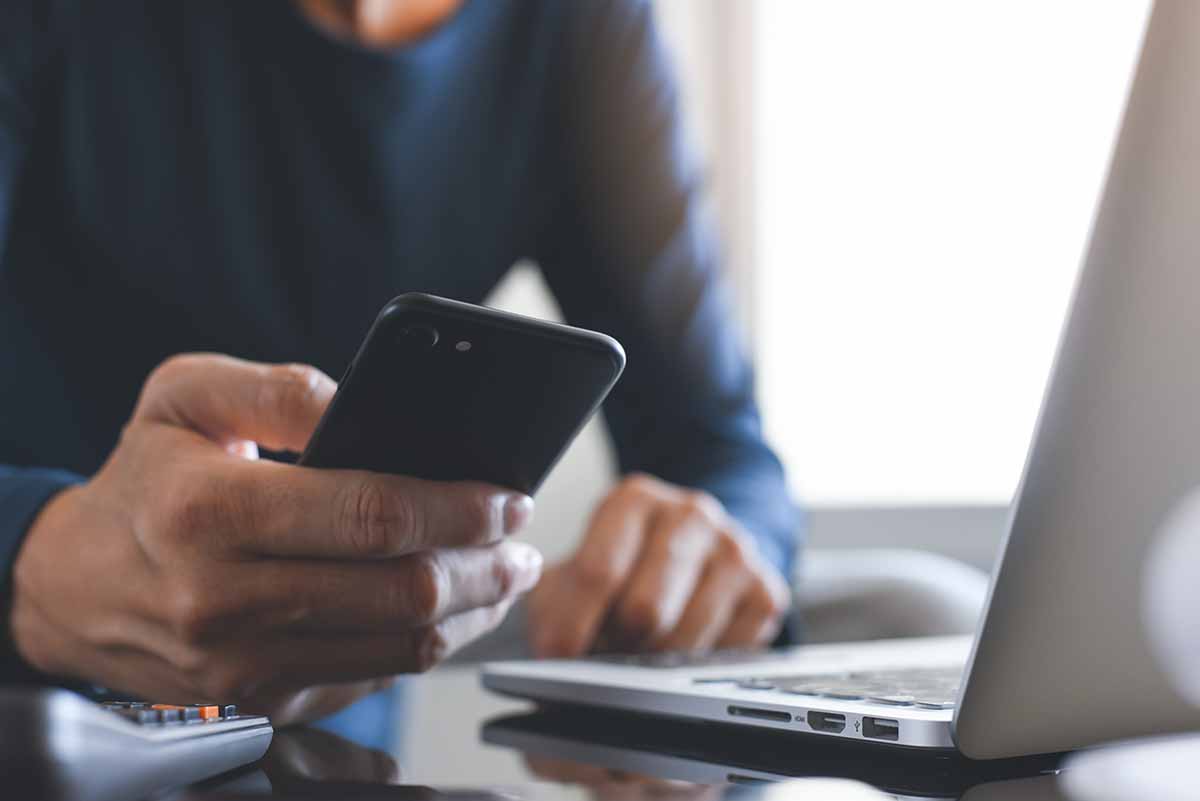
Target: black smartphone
{"x":450,"y":391}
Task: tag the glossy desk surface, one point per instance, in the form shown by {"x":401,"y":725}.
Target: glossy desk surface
{"x":505,"y":749}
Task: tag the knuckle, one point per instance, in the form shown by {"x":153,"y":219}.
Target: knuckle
{"x":771,"y":598}
{"x":192,"y":661}
{"x":480,"y":517}
{"x":595,"y":576}
{"x":194,"y":617}
{"x":233,"y":680}
{"x":432,"y":647}
{"x":291,"y":390}
{"x":780,"y":597}
{"x":641,"y":617}
{"x":163,"y":379}
{"x":429,"y":587}
{"x":735,"y":551}
{"x":504,"y":577}
{"x":171,"y":367}
{"x":192,"y":507}
{"x":701,"y":505}
{"x":494,"y":615}
{"x":556,"y":643}
{"x":166,"y":374}
{"x":639,"y":485}
{"x":373,"y":521}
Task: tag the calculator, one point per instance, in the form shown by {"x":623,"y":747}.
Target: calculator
{"x":63,"y":746}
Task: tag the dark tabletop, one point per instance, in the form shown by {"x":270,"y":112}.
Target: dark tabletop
{"x":463,"y":744}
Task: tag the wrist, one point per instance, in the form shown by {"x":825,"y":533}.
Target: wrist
{"x":31,"y":654}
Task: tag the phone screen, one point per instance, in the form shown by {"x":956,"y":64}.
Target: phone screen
{"x":447,"y":391}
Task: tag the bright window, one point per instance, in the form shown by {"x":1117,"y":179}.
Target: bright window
{"x":925,"y":179}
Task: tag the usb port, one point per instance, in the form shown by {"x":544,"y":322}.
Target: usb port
{"x":881,"y":729}
{"x":826,"y":721}
{"x":761,"y":714}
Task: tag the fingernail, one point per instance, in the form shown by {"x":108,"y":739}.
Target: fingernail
{"x":518,"y":511}
{"x":528,"y":561}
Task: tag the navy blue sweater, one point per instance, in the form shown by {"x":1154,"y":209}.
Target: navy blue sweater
{"x":223,"y":176}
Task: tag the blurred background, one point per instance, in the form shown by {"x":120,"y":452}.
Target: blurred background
{"x":905,"y":192}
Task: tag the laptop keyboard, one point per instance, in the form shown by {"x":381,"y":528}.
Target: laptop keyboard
{"x":927,"y":688}
{"x":678,"y":659}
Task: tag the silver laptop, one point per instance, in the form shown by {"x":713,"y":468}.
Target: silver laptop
{"x":1060,"y":660}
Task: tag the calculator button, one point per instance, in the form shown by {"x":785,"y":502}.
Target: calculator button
{"x":138,"y":715}
{"x":171,"y":713}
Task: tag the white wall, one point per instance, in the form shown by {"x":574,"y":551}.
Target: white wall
{"x":927,"y":178}
{"x":693,"y":29}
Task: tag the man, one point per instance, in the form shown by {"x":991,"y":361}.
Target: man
{"x":256,"y":180}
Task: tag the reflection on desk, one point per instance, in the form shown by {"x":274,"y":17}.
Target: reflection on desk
{"x":308,"y":764}
{"x":576,"y":754}
{"x":605,"y":749}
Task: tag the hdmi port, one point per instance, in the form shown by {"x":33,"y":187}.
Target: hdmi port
{"x":761,"y":714}
{"x":826,"y":721}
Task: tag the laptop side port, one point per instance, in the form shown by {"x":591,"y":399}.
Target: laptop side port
{"x":826,"y":721}
{"x":761,"y":714}
{"x":881,"y":729}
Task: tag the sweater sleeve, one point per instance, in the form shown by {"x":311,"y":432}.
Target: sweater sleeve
{"x":629,"y":251}
{"x":23,"y":490}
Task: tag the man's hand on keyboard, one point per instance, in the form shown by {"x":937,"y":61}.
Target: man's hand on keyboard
{"x":187,"y":569}
{"x":662,"y":568}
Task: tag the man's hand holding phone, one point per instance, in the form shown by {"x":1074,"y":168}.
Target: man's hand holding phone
{"x":184,"y":570}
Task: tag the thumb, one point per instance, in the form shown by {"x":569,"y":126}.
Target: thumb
{"x":228,"y":399}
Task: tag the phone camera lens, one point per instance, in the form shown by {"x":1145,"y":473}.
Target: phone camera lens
{"x":421,"y":336}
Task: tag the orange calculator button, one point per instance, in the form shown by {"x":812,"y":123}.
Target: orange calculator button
{"x":210,"y":712}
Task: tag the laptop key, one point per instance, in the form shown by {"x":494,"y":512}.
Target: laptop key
{"x":892,"y":700}
{"x":935,"y":703}
{"x":801,"y":689}
{"x":677,"y":659}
